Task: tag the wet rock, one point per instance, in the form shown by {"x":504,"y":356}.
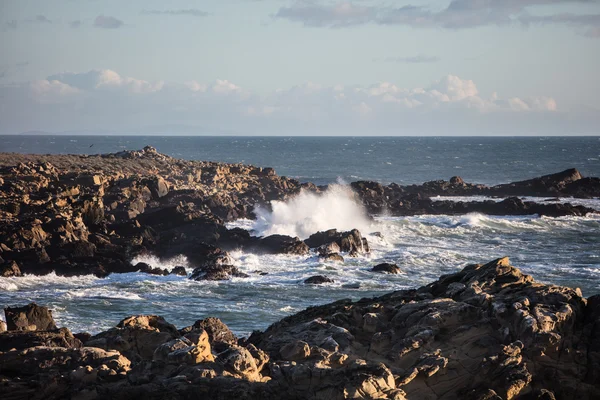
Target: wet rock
{"x":318,"y":280}
{"x":387,"y":268}
{"x":179,"y":270}
{"x":29,"y":318}
{"x":332,"y":257}
{"x":282,"y":244}
{"x":351,"y":242}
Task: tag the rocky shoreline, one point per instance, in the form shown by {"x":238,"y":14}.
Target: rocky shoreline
{"x":486,"y":332}
{"x":80,"y":214}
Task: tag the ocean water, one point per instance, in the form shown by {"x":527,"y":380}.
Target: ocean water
{"x":562,"y":251}
{"x":322,"y":160}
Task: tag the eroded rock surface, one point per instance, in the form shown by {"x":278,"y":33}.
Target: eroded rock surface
{"x":486,"y":332}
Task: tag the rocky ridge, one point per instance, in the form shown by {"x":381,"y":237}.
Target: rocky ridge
{"x":486,"y":332}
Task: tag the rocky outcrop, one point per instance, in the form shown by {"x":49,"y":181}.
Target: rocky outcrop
{"x":79,"y":214}
{"x":486,"y":332}
{"x":394,"y":200}
{"x":29,"y":318}
{"x":318,"y":280}
{"x":332,"y":241}
{"x":386,"y":268}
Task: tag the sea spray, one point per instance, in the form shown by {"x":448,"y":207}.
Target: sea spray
{"x":308,"y":213}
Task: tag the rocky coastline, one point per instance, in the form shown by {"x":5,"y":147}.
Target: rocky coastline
{"x":80,"y":214}
{"x":486,"y":332}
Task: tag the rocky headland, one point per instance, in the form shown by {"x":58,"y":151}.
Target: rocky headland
{"x":92,"y":214}
{"x":486,"y":332}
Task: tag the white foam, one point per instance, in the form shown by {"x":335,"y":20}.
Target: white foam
{"x":308,"y":213}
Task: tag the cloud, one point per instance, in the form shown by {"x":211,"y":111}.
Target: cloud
{"x":459,"y":14}
{"x":190,"y":12}
{"x":106,"y":100}
{"x":106,"y":79}
{"x":419,"y":59}
{"x":107,"y":22}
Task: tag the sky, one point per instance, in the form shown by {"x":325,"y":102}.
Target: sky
{"x":300,"y":67}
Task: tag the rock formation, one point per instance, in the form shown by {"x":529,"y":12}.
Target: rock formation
{"x":79,"y":214}
{"x":486,"y":332}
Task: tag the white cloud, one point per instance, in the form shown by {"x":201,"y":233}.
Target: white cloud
{"x":105,"y":100}
{"x":51,"y":91}
{"x":107,"y":79}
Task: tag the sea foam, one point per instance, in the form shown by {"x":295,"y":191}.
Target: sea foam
{"x":308,"y":213}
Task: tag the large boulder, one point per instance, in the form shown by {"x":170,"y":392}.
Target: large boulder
{"x":350,"y":242}
{"x":21,"y":340}
{"x":29,"y":318}
{"x":282,"y":244}
{"x":137,"y":337}
{"x":386,"y":268}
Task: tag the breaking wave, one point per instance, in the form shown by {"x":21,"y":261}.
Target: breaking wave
{"x":308,"y":213}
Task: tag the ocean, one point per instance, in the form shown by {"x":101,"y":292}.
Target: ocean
{"x":562,"y":251}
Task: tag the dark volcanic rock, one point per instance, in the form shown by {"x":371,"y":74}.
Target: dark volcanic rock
{"x":282,"y":244}
{"x":351,"y":242}
{"x":21,"y":340}
{"x":29,"y":318}
{"x":179,"y":270}
{"x":318,"y":280}
{"x":387,"y":268}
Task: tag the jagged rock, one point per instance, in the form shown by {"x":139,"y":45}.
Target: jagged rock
{"x":21,"y":340}
{"x":29,"y":318}
{"x":318,"y":280}
{"x":10,"y":268}
{"x":387,"y":268}
{"x":192,"y":349}
{"x":136,"y":337}
{"x":218,"y":332}
{"x":486,"y":332}
{"x":351,"y":242}
{"x":282,"y":244}
{"x":179,"y":270}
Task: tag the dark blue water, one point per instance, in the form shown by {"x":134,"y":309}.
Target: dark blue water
{"x":405,"y":160}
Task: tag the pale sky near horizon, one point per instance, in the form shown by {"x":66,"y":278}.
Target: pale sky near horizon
{"x":278,"y":67}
